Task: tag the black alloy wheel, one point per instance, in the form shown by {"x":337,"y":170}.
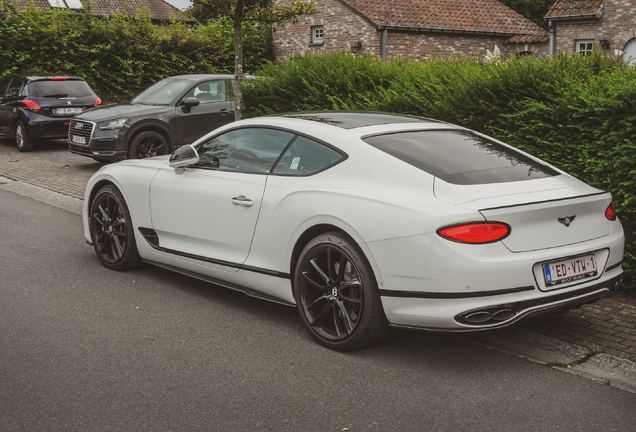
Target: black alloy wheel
{"x":337,"y":295}
{"x":112,"y":230}
{"x":22,"y":141}
{"x":147,"y":144}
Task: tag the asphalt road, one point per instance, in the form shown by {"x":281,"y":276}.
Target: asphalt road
{"x":83,"y":348}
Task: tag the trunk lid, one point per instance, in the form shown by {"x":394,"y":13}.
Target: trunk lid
{"x":542,"y":213}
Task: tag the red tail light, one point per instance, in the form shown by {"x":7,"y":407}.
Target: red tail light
{"x":31,"y":106}
{"x":58,"y":78}
{"x":476,"y":233}
{"x":98,"y":102}
{"x":610,"y":212}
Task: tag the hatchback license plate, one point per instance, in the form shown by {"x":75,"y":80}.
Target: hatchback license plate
{"x":570,"y":270}
{"x":67,"y":111}
{"x":78,"y":139}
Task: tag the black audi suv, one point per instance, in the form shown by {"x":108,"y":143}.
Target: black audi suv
{"x":170,"y":113}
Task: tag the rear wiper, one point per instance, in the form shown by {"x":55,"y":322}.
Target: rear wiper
{"x":60,"y":95}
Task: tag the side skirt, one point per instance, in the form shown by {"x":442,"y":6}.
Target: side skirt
{"x":250,"y":292}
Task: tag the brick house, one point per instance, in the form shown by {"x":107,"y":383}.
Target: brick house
{"x":576,"y":25}
{"x":159,"y":10}
{"x":419,"y":29}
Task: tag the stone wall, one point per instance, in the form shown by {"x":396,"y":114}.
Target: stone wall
{"x":342,"y":27}
{"x":423,"y":46}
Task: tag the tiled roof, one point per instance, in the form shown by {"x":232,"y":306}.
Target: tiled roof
{"x":569,"y":8}
{"x":488,"y":16}
{"x":529,"y":39}
{"x":158,"y":9}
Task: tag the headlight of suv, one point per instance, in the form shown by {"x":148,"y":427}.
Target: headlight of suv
{"x":112,"y":124}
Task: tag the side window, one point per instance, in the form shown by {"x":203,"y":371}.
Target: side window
{"x":207,"y":92}
{"x":305,"y":156}
{"x":248,"y":150}
{"x":14,"y":89}
{"x":3,"y":88}
{"x":229,"y":89}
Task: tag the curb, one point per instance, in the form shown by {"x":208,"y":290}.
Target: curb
{"x":551,"y":352}
{"x":37,"y":193}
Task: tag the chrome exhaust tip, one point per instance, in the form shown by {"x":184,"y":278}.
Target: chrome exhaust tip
{"x":490,"y":315}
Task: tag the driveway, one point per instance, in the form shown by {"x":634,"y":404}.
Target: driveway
{"x":50,"y":166}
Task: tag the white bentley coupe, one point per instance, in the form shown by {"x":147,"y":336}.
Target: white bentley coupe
{"x":364,"y":221}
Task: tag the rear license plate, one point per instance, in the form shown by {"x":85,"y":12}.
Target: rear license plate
{"x":570,"y":270}
{"x":78,"y":139}
{"x":67,"y":111}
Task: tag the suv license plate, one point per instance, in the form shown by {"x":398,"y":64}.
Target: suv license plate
{"x":570,"y":270}
{"x":78,"y":139}
{"x":67,"y":111}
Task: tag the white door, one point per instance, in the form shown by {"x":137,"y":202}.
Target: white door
{"x":207,"y":214}
{"x":209,"y":211}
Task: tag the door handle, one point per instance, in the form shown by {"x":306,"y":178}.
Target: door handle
{"x":224,"y":112}
{"x":242,"y":201}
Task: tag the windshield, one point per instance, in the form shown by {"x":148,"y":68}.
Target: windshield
{"x":461,"y":157}
{"x":162,"y":93}
{"x":60,"y":89}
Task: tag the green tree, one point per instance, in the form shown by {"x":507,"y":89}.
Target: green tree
{"x":204,"y":12}
{"x":534,"y":10}
{"x":260,"y":11}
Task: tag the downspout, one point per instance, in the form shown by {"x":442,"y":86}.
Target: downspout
{"x":384,"y":38}
{"x":552,"y":37}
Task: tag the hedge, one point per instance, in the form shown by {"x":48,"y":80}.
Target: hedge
{"x":119,"y":56}
{"x":576,"y":112}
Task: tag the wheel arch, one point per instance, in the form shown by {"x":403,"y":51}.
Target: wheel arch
{"x":155,"y":127}
{"x":322,"y":228}
{"x":96,"y":187}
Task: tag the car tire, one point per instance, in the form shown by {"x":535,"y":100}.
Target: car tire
{"x":112,"y":231}
{"x":23,"y":143}
{"x":337,"y":295}
{"x":147,"y":144}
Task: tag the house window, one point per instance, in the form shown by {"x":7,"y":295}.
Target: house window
{"x":317,"y":35}
{"x":70,"y":4}
{"x":584,"y":47}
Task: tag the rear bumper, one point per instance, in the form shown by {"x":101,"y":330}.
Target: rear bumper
{"x":42,"y":127}
{"x":522,"y":310}
{"x":458,"y":287}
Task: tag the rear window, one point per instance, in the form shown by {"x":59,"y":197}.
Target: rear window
{"x":461,"y":157}
{"x":60,"y":88}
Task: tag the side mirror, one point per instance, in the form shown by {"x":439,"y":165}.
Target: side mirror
{"x":189,"y":103}
{"x":182,"y":157}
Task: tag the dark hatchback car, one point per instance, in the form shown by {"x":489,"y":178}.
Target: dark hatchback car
{"x":172,"y":112}
{"x":37,"y":107}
